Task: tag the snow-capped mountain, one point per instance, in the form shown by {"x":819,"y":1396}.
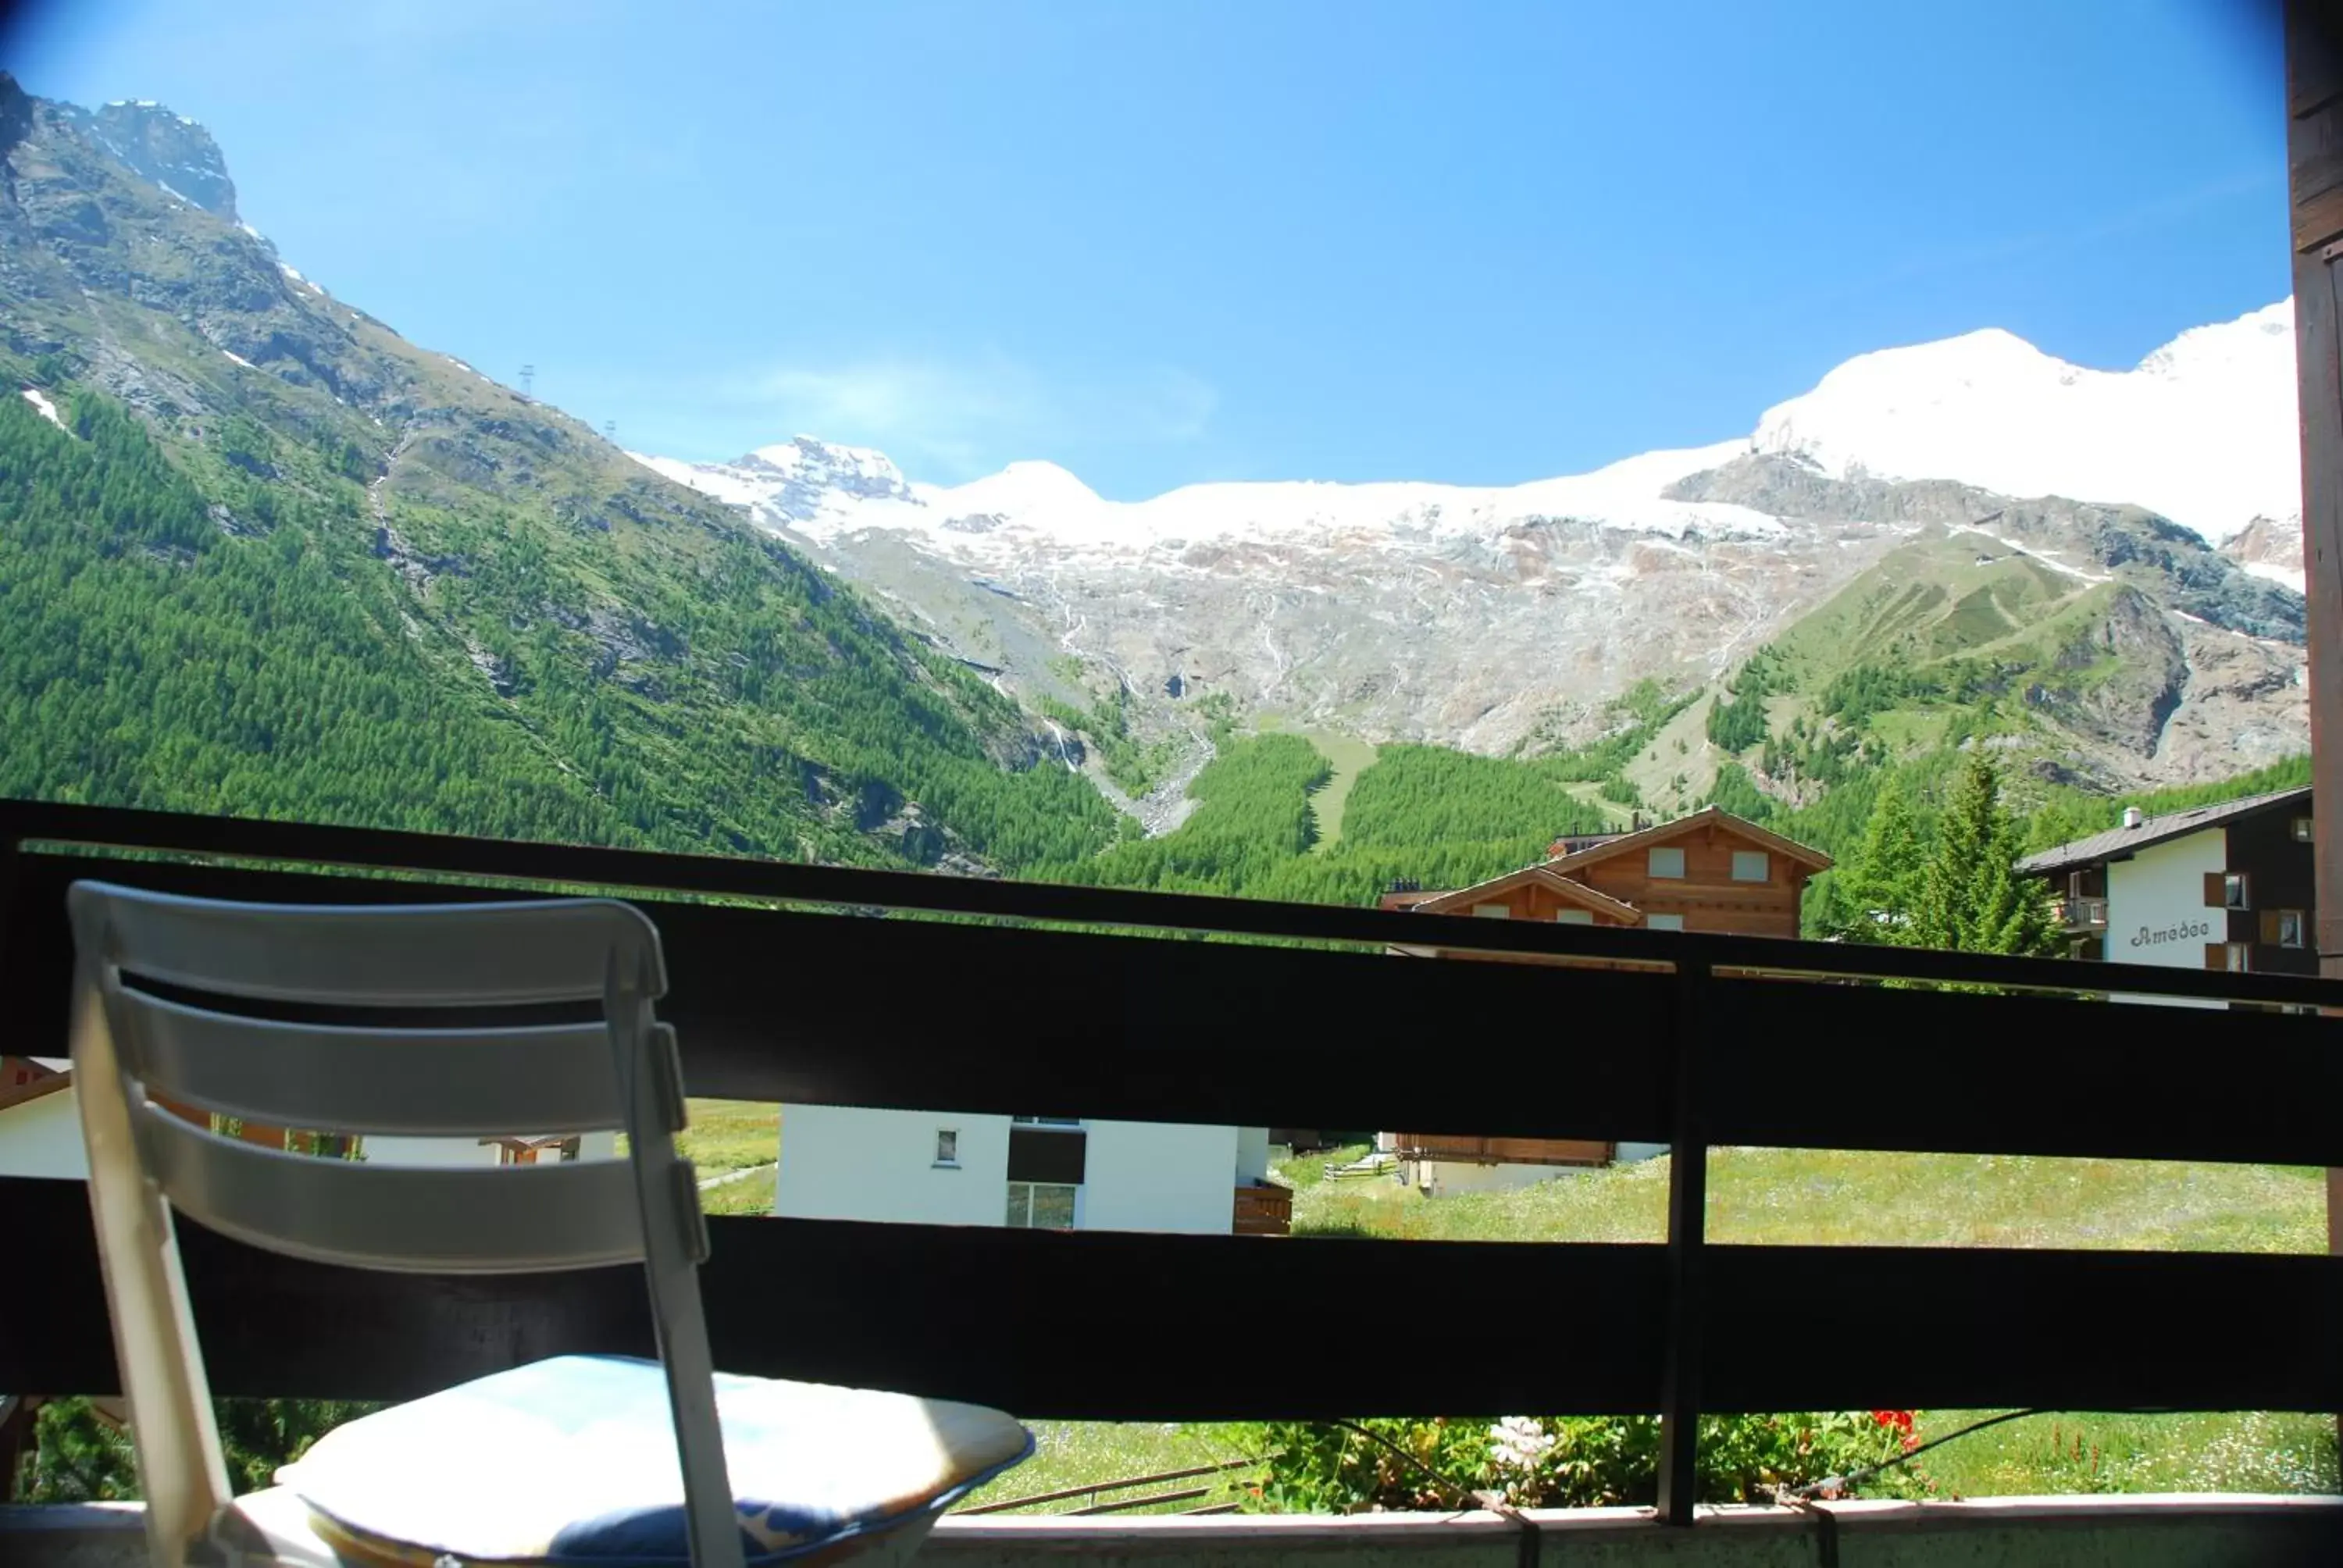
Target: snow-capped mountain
{"x":1479,"y":615}
{"x":2203,"y":431}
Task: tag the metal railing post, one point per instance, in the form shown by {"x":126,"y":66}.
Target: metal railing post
{"x":9,"y":855}
{"x":1687,"y":1218}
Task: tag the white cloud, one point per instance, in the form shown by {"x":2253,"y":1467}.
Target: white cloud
{"x":953,"y":420}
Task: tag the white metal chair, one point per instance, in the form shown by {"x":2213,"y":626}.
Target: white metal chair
{"x":157,"y":978}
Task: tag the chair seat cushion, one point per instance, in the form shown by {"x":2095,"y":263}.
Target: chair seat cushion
{"x":573,"y":1459}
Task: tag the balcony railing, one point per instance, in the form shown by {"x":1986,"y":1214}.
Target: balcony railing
{"x":1696,"y":1049}
{"x":2083,"y":913}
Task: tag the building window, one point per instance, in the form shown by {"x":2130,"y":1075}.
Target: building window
{"x":2227,"y":890}
{"x":1493,"y":911}
{"x":1752,"y":866}
{"x":1663,"y":922}
{"x":2302,"y":830}
{"x":1667,"y":863}
{"x":2229,"y":956}
{"x":1573,"y":916}
{"x":1047,"y":1150}
{"x":2284,"y":929}
{"x":948,"y":1147}
{"x":1042,"y":1205}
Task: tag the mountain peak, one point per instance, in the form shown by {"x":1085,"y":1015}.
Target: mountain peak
{"x":811,"y":454}
{"x":16,"y":112}
{"x":2202,"y":430}
{"x":168,"y":150}
{"x":1029,"y":486}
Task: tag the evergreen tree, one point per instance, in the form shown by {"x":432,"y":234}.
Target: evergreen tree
{"x":1876,"y":891}
{"x":1970,"y":895}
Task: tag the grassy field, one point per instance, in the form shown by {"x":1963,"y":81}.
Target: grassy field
{"x":1351,"y":757}
{"x":1777,"y":1195}
{"x":1759,"y":1196}
{"x":728,"y":1135}
{"x":751,"y":1194}
{"x":2061,"y":1452}
{"x":1069,"y":1454}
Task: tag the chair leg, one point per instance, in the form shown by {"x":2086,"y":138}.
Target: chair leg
{"x":181,"y":1470}
{"x":674,"y":1240}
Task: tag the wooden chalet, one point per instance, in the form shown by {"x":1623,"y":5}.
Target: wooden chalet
{"x":1709,"y":872}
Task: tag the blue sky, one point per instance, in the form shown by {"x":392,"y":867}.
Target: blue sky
{"x":1166,"y":243}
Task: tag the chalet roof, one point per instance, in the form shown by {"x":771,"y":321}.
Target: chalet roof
{"x":1706,"y":817}
{"x":1544,"y":876}
{"x":2117,"y":843}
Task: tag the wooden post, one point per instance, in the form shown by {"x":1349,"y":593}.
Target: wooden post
{"x":2314,"y":70}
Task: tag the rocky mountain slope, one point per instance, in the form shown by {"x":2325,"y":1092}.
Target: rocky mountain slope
{"x":1499,"y":618}
{"x":258,"y":553}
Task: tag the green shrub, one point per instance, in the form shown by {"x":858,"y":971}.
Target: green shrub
{"x":1566,"y":1462}
{"x":75,"y":1457}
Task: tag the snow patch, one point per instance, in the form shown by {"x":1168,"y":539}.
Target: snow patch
{"x":48,"y":410}
{"x":2290,"y":576}
{"x":240,"y":358}
{"x":2052,"y":561}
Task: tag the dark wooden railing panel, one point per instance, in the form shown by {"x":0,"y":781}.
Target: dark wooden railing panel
{"x":825,"y":1008}
{"x":821,"y":1008}
{"x":364,"y":848}
{"x":1918,"y":1327}
{"x":1097,"y":1324}
{"x":1860,"y":1067}
{"x":1108,"y":1326}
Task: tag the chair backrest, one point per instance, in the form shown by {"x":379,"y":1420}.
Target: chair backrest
{"x":185,"y":1001}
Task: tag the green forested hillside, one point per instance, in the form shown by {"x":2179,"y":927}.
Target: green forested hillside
{"x":1443,"y":817}
{"x":146,"y":659}
{"x":243,"y":648}
{"x":278,"y":561}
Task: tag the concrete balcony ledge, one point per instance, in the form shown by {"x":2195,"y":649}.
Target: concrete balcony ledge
{"x":2127,"y":1532}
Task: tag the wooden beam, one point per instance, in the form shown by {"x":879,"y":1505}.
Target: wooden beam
{"x":2314,"y":67}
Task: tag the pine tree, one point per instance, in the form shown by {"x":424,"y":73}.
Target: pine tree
{"x":1970,"y":896}
{"x":1880,"y":885}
